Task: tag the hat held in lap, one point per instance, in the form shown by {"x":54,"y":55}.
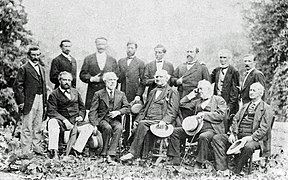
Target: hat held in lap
{"x":192,"y":125}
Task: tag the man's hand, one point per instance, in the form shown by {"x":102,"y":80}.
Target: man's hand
{"x":192,"y":94}
{"x":113,"y":114}
{"x":137,"y":99}
{"x":135,"y":124}
{"x":68,"y":124}
{"x":20,"y":107}
{"x":95,"y":131}
{"x":161,"y":124}
{"x":79,"y":118}
{"x":231,"y":138}
{"x":247,"y":139}
{"x":200,"y":115}
{"x":179,"y":81}
{"x":96,"y":78}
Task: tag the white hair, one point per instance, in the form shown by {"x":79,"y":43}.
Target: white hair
{"x":107,"y":75}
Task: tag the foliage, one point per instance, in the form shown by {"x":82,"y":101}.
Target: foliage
{"x":268,"y":31}
{"x":14,"y":38}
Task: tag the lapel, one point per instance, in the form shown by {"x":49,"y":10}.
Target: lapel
{"x":62,"y":97}
{"x":227,"y":76}
{"x":165,"y":66}
{"x":154,"y":67}
{"x":33,"y":71}
{"x":105,"y":97}
{"x":107,"y":64}
{"x":132,"y":65}
{"x":217,"y":75}
{"x":258,"y":113}
{"x":242,"y":112}
{"x":162,"y":95}
{"x":73,"y":94}
{"x":94,"y":62}
{"x":212,"y":103}
{"x":249,"y":79}
{"x":192,"y":69}
{"x":117,"y":97}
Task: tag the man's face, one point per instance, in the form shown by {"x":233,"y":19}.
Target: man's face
{"x":204,"y":91}
{"x":131,"y":50}
{"x":101,"y":45}
{"x":65,"y":81}
{"x":160,"y":79}
{"x":159,"y":54}
{"x":66,"y":47}
{"x":249,"y":62}
{"x":35,"y":56}
{"x":254,"y":92}
{"x":223,"y":58}
{"x":191,"y":54}
{"x":111,"y":82}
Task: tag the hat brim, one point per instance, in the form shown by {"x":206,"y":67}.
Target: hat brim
{"x":236,"y":147}
{"x":162,"y":132}
{"x":199,"y":127}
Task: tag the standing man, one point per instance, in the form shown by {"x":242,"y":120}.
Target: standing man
{"x":63,"y":62}
{"x":65,"y":108}
{"x":108,"y":105}
{"x":31,"y":96}
{"x":93,"y":68}
{"x":251,"y":125}
{"x":159,"y":64}
{"x":226,"y":79}
{"x":161,"y":108}
{"x":209,"y":108}
{"x":187,"y":75}
{"x":131,"y":79}
{"x":252,"y":75}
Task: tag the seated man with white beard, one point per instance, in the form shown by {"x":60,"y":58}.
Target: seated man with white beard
{"x":65,"y":108}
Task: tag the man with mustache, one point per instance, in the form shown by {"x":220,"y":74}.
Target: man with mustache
{"x":131,"y":79}
{"x":187,"y":75}
{"x":63,"y":62}
{"x":160,"y":108}
{"x":31,"y":96}
{"x":65,"y":108}
{"x":252,"y":75}
{"x":93,"y":68}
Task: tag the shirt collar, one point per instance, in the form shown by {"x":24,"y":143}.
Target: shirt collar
{"x":108,"y":90}
{"x":257,"y":102}
{"x":33,"y":64}
{"x":67,"y":56}
{"x":131,"y":57}
{"x":100,"y":54}
{"x":224,"y":66}
{"x":250,"y":70}
{"x":63,"y":90}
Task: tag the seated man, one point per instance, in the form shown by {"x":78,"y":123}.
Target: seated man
{"x":65,"y":108}
{"x":161,"y":107}
{"x":212,"y":110}
{"x":107,"y":106}
{"x":252,"y":124}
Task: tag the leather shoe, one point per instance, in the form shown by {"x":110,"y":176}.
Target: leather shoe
{"x":127,"y":157}
{"x":55,"y":154}
{"x":111,"y":161}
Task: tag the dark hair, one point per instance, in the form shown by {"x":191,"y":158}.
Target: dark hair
{"x":132,"y":42}
{"x":162,"y":47}
{"x":101,"y":38}
{"x":65,"y":40}
{"x":32,"y":48}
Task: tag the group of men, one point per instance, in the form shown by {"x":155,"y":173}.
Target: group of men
{"x":213,"y":106}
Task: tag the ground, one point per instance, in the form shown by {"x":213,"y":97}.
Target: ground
{"x":88,"y":168}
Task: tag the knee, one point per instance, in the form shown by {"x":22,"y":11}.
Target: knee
{"x":248,"y":148}
{"x":107,"y":128}
{"x":119,"y":128}
{"x":203,"y":137}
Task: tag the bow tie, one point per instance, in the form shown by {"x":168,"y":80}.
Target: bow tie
{"x":160,"y":88}
{"x":190,"y":63}
{"x":224,"y":67}
{"x":67,"y":91}
{"x":160,"y":61}
{"x":131,"y":57}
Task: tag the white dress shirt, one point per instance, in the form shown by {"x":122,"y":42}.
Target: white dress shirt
{"x":67,"y":56}
{"x":101,"y":58}
{"x":35,"y":66}
{"x":66,"y":92}
{"x":248,"y":72}
{"x":159,"y":65}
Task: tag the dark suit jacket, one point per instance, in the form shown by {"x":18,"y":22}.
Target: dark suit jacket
{"x":230,"y":91}
{"x":254,"y":76}
{"x":150,"y":69}
{"x":217,"y":114}
{"x":169,"y":99}
{"x":261,"y":125}
{"x":59,"y":64}
{"x":191,"y":77}
{"x":131,"y":77}
{"x":91,"y":68}
{"x":60,"y":107}
{"x":24,"y":86}
{"x":100,"y":104}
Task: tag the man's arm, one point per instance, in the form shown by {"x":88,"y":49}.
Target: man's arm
{"x":125,"y":109}
{"x":147,"y":80}
{"x":218,"y":115}
{"x":54,"y":72}
{"x":52,"y":108}
{"x":141,"y":87}
{"x":175,"y":77}
{"x":265,"y":124}
{"x":82,"y":109}
{"x":234,"y":92}
{"x":205,"y":73}
{"x":84,"y":73}
{"x":18,"y":87}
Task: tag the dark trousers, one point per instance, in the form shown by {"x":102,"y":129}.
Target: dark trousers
{"x":112,"y":129}
{"x":203,"y":147}
{"x":140,"y":138}
{"x":220,"y":146}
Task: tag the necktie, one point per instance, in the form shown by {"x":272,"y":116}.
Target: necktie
{"x":67,"y":94}
{"x":222,"y":69}
{"x":251,"y":107}
{"x":111,"y":94}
